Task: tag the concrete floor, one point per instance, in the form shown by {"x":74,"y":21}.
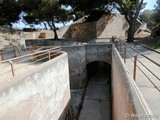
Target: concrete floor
{"x":97,"y":99}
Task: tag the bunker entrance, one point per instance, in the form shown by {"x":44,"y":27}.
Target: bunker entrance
{"x":97,"y":97}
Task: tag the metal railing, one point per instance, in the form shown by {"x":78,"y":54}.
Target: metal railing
{"x":10,"y":66}
{"x":124,"y":48}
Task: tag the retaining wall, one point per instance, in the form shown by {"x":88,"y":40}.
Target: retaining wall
{"x":50,"y":42}
{"x":80,"y":56}
{"x":42,"y":94}
{"x":77,"y":65}
{"x":127,"y":101}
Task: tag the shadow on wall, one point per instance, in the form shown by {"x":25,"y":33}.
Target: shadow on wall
{"x":67,"y":114}
{"x":99,"y":67}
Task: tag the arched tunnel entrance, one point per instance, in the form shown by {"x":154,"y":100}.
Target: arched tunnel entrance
{"x":99,"y":69}
{"x":97,"y":97}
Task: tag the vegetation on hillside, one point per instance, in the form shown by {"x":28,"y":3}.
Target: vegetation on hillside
{"x":156,"y":19}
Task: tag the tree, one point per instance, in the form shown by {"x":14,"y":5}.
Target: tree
{"x":156,"y":19}
{"x":46,"y":11}
{"x":9,"y":12}
{"x":131,"y":10}
{"x":147,"y":17}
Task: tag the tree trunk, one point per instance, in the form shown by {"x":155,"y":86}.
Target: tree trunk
{"x":10,"y":28}
{"x":63,"y":24}
{"x":45,"y":25}
{"x":53,"y":28}
{"x":131,"y":30}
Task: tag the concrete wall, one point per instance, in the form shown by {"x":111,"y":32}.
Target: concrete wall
{"x":98,"y":51}
{"x":127,"y":100}
{"x":42,"y":94}
{"x":80,"y":56}
{"x":50,"y":42}
{"x":77,"y":65}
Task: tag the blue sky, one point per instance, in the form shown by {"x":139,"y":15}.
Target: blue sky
{"x":150,"y":5}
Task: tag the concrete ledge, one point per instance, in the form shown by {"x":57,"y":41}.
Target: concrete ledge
{"x":128,"y":102}
{"x":43,"y":93}
{"x":50,"y":42}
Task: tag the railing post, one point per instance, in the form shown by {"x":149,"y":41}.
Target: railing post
{"x":135,"y":64}
{"x":12,"y":68}
{"x":49,"y":55}
{"x":120,"y":49}
{"x":2,"y":54}
{"x":14,"y":51}
{"x":125,"y":55}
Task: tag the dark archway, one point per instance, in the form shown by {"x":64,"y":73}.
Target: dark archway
{"x":99,"y":69}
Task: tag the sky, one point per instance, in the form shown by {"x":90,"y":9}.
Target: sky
{"x":150,"y":4}
{"x":20,"y":24}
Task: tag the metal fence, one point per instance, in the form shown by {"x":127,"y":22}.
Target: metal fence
{"x":125,"y":52}
{"x":15,"y":66}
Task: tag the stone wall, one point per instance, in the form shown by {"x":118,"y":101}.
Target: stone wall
{"x":42,"y":94}
{"x":127,"y":100}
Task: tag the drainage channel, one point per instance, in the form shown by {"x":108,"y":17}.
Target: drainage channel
{"x":97,"y":98}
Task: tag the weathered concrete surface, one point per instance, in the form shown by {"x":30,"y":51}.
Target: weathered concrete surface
{"x":77,"y":66}
{"x":76,"y":101}
{"x":80,"y":56}
{"x":128,"y":101}
{"x":97,"y":100}
{"x":42,"y":94}
{"x":50,"y":42}
{"x":98,"y":51}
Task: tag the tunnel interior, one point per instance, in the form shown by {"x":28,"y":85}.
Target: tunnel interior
{"x":99,"y":68}
{"x":97,"y":96}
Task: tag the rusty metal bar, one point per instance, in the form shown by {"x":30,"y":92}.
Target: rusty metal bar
{"x":12,"y":67}
{"x":120,"y":49}
{"x":125,"y":55}
{"x":49,"y":55}
{"x":52,"y":49}
{"x":14,"y":51}
{"x":135,"y":65}
{"x":143,"y":55}
{"x":2,"y":54}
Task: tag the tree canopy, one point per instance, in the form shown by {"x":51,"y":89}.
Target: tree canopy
{"x":156,"y":19}
{"x":46,"y":11}
{"x":147,"y":17}
{"x":9,"y":12}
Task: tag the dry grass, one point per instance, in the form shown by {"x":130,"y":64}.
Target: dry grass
{"x":149,"y":41}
